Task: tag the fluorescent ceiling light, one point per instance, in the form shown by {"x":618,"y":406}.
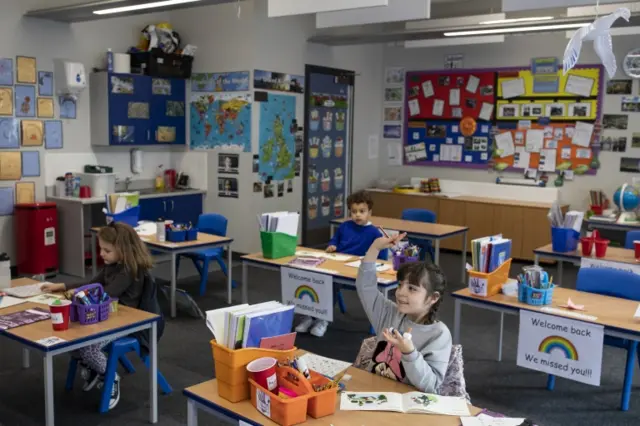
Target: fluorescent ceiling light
{"x":142,"y":6}
{"x":436,"y":42}
{"x":514,"y":30}
{"x":515,"y":20}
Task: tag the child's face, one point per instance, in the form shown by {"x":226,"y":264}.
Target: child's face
{"x":108,"y":253}
{"x":412,"y":300}
{"x":360,"y":213}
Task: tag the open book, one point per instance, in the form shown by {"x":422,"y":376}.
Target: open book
{"x":411,"y":402}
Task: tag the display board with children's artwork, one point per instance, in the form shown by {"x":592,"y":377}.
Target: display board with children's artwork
{"x":506,"y":119}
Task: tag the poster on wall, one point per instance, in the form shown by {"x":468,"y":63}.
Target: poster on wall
{"x":277,"y":137}
{"x":228,"y":163}
{"x":221,"y":121}
{"x":267,"y":80}
{"x":310,"y":292}
{"x":227,"y":187}
{"x":220,"y":82}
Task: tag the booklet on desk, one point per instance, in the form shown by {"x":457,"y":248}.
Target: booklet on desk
{"x":411,"y":402}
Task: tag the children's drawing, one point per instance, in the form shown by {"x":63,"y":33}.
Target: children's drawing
{"x":361,"y":400}
{"x":424,"y":400}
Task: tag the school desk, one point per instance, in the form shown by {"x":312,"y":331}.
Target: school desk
{"x":422,"y":231}
{"x":614,"y":254}
{"x":616,"y":315}
{"x":611,"y":225}
{"x":205,"y":397}
{"x":204,"y":241}
{"x":125,"y":322}
{"x":341,"y":273}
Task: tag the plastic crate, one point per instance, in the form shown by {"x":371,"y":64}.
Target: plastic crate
{"x":129,"y":216}
{"x":535,"y":296}
{"x":564,"y":240}
{"x":89,"y":314}
{"x":485,"y":285}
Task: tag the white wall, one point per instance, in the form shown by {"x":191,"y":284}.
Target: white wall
{"x":518,"y":51}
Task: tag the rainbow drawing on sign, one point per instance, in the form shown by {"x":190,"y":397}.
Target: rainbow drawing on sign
{"x":305,"y":290}
{"x":560,"y":343}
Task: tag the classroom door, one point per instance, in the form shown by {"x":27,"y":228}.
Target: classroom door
{"x":326,"y":164}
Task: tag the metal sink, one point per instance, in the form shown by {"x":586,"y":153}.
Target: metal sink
{"x":150,"y":191}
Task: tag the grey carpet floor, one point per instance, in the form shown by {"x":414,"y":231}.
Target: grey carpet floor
{"x":185,"y":359}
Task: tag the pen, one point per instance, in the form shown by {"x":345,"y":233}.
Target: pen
{"x":384,"y":232}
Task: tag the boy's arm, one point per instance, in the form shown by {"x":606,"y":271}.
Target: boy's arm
{"x":335,"y":240}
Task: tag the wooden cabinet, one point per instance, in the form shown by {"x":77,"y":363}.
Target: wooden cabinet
{"x":452,"y":213}
{"x":509,"y":221}
{"x":389,"y":204}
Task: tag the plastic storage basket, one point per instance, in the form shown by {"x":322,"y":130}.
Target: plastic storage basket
{"x":101,"y":183}
{"x":276,"y":245}
{"x":535,"y":296}
{"x":129,"y":216}
{"x":90,"y":314}
{"x":485,"y":285}
{"x":399,"y":260}
{"x":564,"y":240}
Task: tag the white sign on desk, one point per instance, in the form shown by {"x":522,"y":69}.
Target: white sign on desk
{"x":588,"y":262}
{"x":310,"y":292}
{"x":560,"y":346}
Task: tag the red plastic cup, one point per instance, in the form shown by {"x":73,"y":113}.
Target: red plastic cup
{"x":597,"y":210}
{"x":636,"y":247}
{"x":263,"y":372}
{"x":60,"y":315}
{"x":601,"y":247}
{"x":587,"y":245}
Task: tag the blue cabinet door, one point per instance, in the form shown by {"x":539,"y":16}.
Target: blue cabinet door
{"x":185,"y":208}
{"x":153,"y":208}
{"x":168,"y":103}
{"x":129,"y":109}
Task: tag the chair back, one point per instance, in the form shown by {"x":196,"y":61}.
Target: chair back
{"x":609,"y":282}
{"x":631,"y":237}
{"x":419,"y":215}
{"x":213,"y":223}
{"x":149,"y":301}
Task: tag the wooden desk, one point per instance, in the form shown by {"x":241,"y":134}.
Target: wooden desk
{"x":524,"y":222}
{"x":204,"y":241}
{"x":341,"y":273}
{"x":614,"y":254}
{"x":125,"y":322}
{"x":205,"y":397}
{"x":422,"y":231}
{"x":612,"y":226}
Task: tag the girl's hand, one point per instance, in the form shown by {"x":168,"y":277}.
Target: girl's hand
{"x":331,"y":249}
{"x":396,"y":339}
{"x":383,"y":243}
{"x":53,"y":288}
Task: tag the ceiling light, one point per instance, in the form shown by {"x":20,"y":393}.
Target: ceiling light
{"x":516,"y":20}
{"x":142,"y":6}
{"x":514,"y":30}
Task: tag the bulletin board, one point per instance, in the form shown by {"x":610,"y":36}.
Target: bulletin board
{"x":503,"y":100}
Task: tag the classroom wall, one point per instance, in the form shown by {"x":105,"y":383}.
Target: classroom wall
{"x":517,"y":51}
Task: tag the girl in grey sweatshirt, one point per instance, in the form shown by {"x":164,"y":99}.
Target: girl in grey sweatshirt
{"x":421,"y":358}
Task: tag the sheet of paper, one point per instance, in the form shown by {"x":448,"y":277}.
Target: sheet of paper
{"x":485,"y":420}
{"x":583,"y":153}
{"x":504,"y":142}
{"x":380,"y":267}
{"x":577,"y":85}
{"x":582,"y":134}
{"x":50,"y":341}
{"x":415,"y":152}
{"x":374,"y":143}
{"x":565,"y":154}
{"x":25,"y":192}
{"x":427,"y":89}
{"x":534,"y":140}
{"x":486,"y":111}
{"x":637,"y":314}
{"x":322,"y":255}
{"x":521,"y":160}
{"x":547,"y":160}
{"x":44,"y":299}
{"x":326,"y":366}
{"x":7,"y":301}
{"x":512,"y":88}
{"x":10,"y":165}
{"x":438,"y":107}
{"x":454,"y":97}
{"x":394,"y":153}
{"x":414,"y":107}
{"x":472,"y":84}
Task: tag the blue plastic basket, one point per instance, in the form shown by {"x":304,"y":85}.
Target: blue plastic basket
{"x":129,"y":216}
{"x":535,"y":296}
{"x":564,"y":240}
{"x":192,"y":234}
{"x":177,"y":236}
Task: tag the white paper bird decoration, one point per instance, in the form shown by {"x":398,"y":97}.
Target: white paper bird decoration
{"x":598,"y":31}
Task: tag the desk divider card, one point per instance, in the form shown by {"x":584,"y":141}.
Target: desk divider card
{"x":507,"y":119}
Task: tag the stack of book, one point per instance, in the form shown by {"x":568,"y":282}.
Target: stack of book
{"x":121,"y":201}
{"x":489,"y":253}
{"x":283,"y":222}
{"x":265,"y":325}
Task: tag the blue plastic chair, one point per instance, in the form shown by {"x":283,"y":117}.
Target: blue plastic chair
{"x":117,"y":351}
{"x":214,"y":224}
{"x":631,"y":237}
{"x":614,"y":283}
{"x":426,"y":216}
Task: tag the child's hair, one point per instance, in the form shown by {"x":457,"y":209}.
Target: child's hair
{"x":360,"y":197}
{"x":133,"y":252}
{"x":429,"y":276}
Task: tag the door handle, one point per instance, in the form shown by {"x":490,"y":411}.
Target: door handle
{"x":165,"y":206}
{"x":172,"y":206}
{"x":148,"y":134}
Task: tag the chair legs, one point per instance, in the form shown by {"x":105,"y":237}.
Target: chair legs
{"x":628,"y":375}
{"x":340,"y":300}
{"x":71,"y":373}
{"x":109,"y":378}
{"x":162,"y":382}
{"x":551,"y":382}
{"x":126,"y":364}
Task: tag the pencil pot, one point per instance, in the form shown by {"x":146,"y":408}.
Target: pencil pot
{"x":564,"y":240}
{"x":129,"y":216}
{"x":231,"y":368}
{"x":535,"y":296}
{"x":485,"y":285}
{"x":176,"y":236}
{"x":192,"y":234}
{"x":276,"y":244}
{"x":401,"y":259}
{"x":283,"y":411}
{"x":321,"y":403}
{"x":94,"y":312}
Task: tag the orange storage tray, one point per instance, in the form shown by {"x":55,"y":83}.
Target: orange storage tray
{"x":491,"y":283}
{"x":231,"y":368}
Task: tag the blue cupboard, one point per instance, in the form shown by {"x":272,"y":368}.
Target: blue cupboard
{"x":128,"y":109}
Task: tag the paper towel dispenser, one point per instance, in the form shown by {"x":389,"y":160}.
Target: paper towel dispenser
{"x":70,"y":78}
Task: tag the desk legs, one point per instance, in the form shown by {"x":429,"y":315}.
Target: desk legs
{"x":437,"y":251}
{"x":153,"y":373}
{"x":229,"y":269}
{"x":456,"y":321}
{"x":464,"y":257}
{"x":94,"y":255}
{"x":500,"y":341}
{"x":560,"y":271}
{"x":245,"y":282}
{"x":173,"y":284}
{"x":48,"y":389}
{"x":25,"y":358}
{"x":192,"y":413}
{"x":536,"y":260}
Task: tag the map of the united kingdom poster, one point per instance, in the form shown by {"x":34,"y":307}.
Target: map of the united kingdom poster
{"x":221,"y":121}
{"x":277,"y":137}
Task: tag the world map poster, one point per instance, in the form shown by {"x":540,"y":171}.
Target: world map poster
{"x":221,"y":121}
{"x":277,"y":137}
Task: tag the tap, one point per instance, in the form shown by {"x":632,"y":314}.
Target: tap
{"x":127,"y":182}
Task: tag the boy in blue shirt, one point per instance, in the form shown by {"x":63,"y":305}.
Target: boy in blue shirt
{"x":353,"y":237}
